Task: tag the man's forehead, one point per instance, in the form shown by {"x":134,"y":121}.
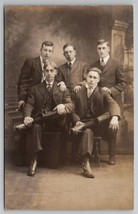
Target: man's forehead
{"x":69,"y":48}
{"x":93,"y":73}
{"x":47,"y":47}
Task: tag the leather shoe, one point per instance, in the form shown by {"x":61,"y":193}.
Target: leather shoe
{"x":32,"y":168}
{"x":112,"y":160}
{"x":87,"y":170}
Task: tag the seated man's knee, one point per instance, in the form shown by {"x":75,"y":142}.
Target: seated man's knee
{"x":36,"y":126}
{"x":88,"y":132}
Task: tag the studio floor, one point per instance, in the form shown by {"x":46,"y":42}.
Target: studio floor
{"x":65,"y":188}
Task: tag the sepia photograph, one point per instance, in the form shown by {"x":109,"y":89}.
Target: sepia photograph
{"x":68,"y":107}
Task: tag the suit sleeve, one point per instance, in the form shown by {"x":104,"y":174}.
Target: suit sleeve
{"x":74,"y":116}
{"x":121,"y":82}
{"x":30,"y":103}
{"x":85,"y":68}
{"x":67,"y":101}
{"x":24,"y":80}
{"x":111,"y":105}
{"x":59,"y":77}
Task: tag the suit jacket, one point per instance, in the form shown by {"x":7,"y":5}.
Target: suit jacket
{"x":114,"y":78}
{"x":103,"y":106}
{"x":73,"y":77}
{"x":30,"y":75}
{"x":37,"y":96}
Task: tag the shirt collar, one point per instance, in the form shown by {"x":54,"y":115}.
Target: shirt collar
{"x":72,"y":62}
{"x":87,"y":86}
{"x":105,"y":59}
{"x":51,"y":83}
{"x":41,"y":60}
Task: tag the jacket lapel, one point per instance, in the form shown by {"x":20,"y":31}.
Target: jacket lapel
{"x":93,"y":98}
{"x":38,"y":65}
{"x":42,"y":89}
{"x":108,"y":65}
{"x":75,"y":64}
{"x":84,"y":97}
{"x":56,"y":93}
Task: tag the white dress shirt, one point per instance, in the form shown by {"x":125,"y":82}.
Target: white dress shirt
{"x":89,"y":90}
{"x":105,"y":59}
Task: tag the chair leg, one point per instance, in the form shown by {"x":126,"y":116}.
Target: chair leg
{"x":96,"y":151}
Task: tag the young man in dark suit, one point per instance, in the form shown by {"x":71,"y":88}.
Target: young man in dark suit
{"x":96,"y":114}
{"x":32,"y":72}
{"x":73,"y":71}
{"x":43,"y":98}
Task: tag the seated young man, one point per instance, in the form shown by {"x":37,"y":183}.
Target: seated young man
{"x":96,"y":114}
{"x":42,"y":99}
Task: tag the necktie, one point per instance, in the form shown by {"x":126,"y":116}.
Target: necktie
{"x":102,"y":63}
{"x":45,"y":63}
{"x":43,"y":67}
{"x":89,"y":91}
{"x":70,"y":65}
{"x":49,"y":86}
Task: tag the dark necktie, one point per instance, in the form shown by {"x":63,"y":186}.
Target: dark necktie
{"x":45,"y":63}
{"x":102,"y":63}
{"x":70,"y":65}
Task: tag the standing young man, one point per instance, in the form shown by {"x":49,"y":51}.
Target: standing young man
{"x":73,"y":71}
{"x":32,"y":72}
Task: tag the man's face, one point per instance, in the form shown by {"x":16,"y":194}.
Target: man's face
{"x":46,"y":51}
{"x":103,"y":50}
{"x":50,"y":73}
{"x":69,"y":53}
{"x":92,"y":79}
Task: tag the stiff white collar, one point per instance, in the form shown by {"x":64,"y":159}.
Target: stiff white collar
{"x":72,"y":62}
{"x":105,"y":59}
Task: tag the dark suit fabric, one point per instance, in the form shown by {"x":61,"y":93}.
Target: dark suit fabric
{"x":74,"y":76}
{"x":113,"y":77}
{"x":35,"y":103}
{"x":31,"y":73}
{"x":103,"y":107}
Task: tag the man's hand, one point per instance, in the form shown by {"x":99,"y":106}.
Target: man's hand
{"x":28,"y":121}
{"x":62,"y":86}
{"x":77,"y":88}
{"x":114,"y":124}
{"x":106,"y":89}
{"x":78,"y":127}
{"x":21,"y":104}
{"x":61,"y":109}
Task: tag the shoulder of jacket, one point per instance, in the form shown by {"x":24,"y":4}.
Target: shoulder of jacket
{"x":62,"y":66}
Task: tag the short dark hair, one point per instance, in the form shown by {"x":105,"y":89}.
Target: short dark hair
{"x":102,"y":41}
{"x":95,"y":69}
{"x":67,"y":45}
{"x":47,"y":43}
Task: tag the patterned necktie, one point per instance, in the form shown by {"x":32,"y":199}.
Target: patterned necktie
{"x":49,"y":87}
